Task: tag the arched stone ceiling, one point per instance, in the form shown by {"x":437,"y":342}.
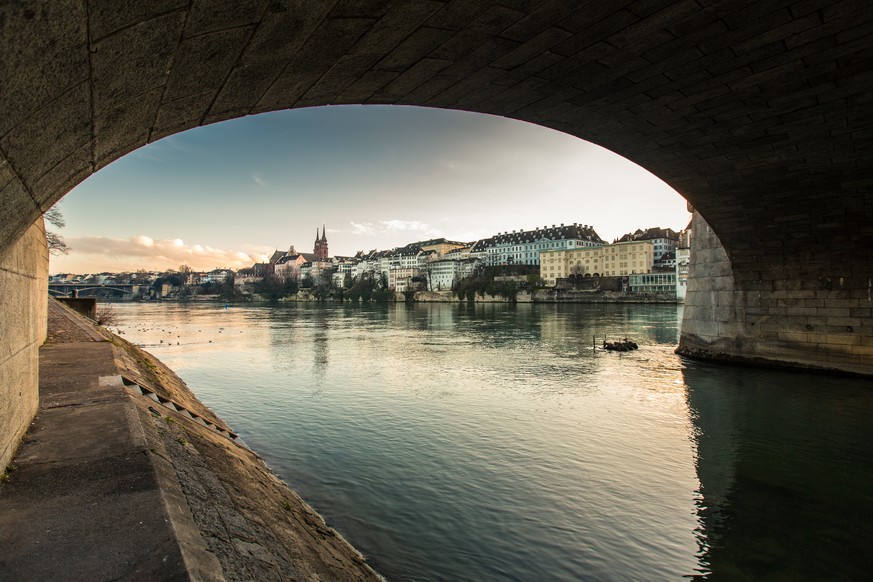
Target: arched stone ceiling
{"x":758,"y":112}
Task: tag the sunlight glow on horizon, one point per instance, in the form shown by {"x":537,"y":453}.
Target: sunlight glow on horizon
{"x":227,"y":195}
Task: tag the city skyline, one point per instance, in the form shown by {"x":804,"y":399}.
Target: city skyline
{"x":228,"y":195}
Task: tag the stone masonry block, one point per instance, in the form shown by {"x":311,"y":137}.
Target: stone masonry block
{"x":242,"y":89}
{"x":342,"y":74}
{"x":722,"y":283}
{"x":845,"y":321}
{"x":531,"y":48}
{"x":846,"y":303}
{"x":793,"y":321}
{"x":323,"y":49}
{"x":541,"y":18}
{"x":44,"y":55}
{"x":394,"y":27}
{"x":413,"y":78}
{"x":725,"y":298}
{"x":281,"y":33}
{"x":61,"y":178}
{"x":19,"y":212}
{"x":134,"y":60}
{"x":413,"y":49}
{"x":794,"y":337}
{"x":207,"y":16}
{"x":123,"y":128}
{"x":7,"y":174}
{"x":863,"y":351}
{"x":50,"y":135}
{"x":108,"y":16}
{"x":182,"y":114}
{"x":366,"y":89}
{"x":724,"y":314}
{"x":762,"y":286}
{"x":833,"y":312}
{"x":836,"y":339}
{"x":792,"y":303}
{"x":515,"y":98}
{"x":204,"y":62}
{"x":756,"y":312}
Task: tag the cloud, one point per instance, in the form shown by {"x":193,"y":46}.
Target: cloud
{"x":365,"y":228}
{"x":258,"y":179}
{"x":394,"y":226}
{"x":143,"y":252}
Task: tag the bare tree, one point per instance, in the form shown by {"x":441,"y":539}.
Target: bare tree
{"x":56,"y":243}
{"x":106,"y":315}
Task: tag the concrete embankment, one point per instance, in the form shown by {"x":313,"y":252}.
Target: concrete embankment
{"x":548,"y":295}
{"x":125,"y":475}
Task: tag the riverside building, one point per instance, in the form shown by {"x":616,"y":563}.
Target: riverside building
{"x":523,"y":247}
{"x":615,"y":260}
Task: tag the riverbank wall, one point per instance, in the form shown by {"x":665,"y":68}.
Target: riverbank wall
{"x":125,"y":474}
{"x":23,"y":291}
{"x":538,"y":296}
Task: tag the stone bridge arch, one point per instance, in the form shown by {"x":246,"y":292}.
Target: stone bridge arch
{"x":758,"y":113}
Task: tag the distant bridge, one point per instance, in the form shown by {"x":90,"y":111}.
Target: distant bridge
{"x":81,"y":289}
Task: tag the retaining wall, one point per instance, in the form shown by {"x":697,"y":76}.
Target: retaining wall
{"x":23,"y":304}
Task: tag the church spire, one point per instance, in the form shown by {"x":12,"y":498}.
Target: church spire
{"x":320,"y":250}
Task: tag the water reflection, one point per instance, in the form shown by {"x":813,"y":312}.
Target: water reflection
{"x":786,"y":474}
{"x":490,"y":442}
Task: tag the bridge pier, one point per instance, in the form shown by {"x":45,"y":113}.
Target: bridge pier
{"x":814,"y":311}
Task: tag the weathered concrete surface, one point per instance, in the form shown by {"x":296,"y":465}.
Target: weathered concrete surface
{"x":777,"y":314}
{"x":113,"y":485}
{"x":23,"y":290}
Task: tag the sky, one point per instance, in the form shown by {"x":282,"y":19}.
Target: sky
{"x":228,"y":195}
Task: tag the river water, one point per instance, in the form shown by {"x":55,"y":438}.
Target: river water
{"x":492,"y":442}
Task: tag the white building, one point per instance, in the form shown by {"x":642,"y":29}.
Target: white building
{"x":442,"y":275}
{"x":523,"y":247}
{"x":216,"y":276}
{"x":683,"y":257}
{"x":652,"y":282}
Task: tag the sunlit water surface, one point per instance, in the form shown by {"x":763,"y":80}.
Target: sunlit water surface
{"x":492,"y":442}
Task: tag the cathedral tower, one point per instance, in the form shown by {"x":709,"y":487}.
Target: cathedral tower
{"x":321,"y":246}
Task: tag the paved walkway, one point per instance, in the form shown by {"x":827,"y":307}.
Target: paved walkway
{"x":125,"y":475}
{"x":85,"y":501}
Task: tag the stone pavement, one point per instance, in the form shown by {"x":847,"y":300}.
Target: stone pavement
{"x":115,"y":481}
{"x":85,"y":501}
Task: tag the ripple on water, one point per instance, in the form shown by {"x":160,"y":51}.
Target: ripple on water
{"x":493,"y":442}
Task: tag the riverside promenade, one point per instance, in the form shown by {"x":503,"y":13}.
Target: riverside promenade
{"x":125,"y":475}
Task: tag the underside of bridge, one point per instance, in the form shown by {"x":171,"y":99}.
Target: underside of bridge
{"x":759,"y":113}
